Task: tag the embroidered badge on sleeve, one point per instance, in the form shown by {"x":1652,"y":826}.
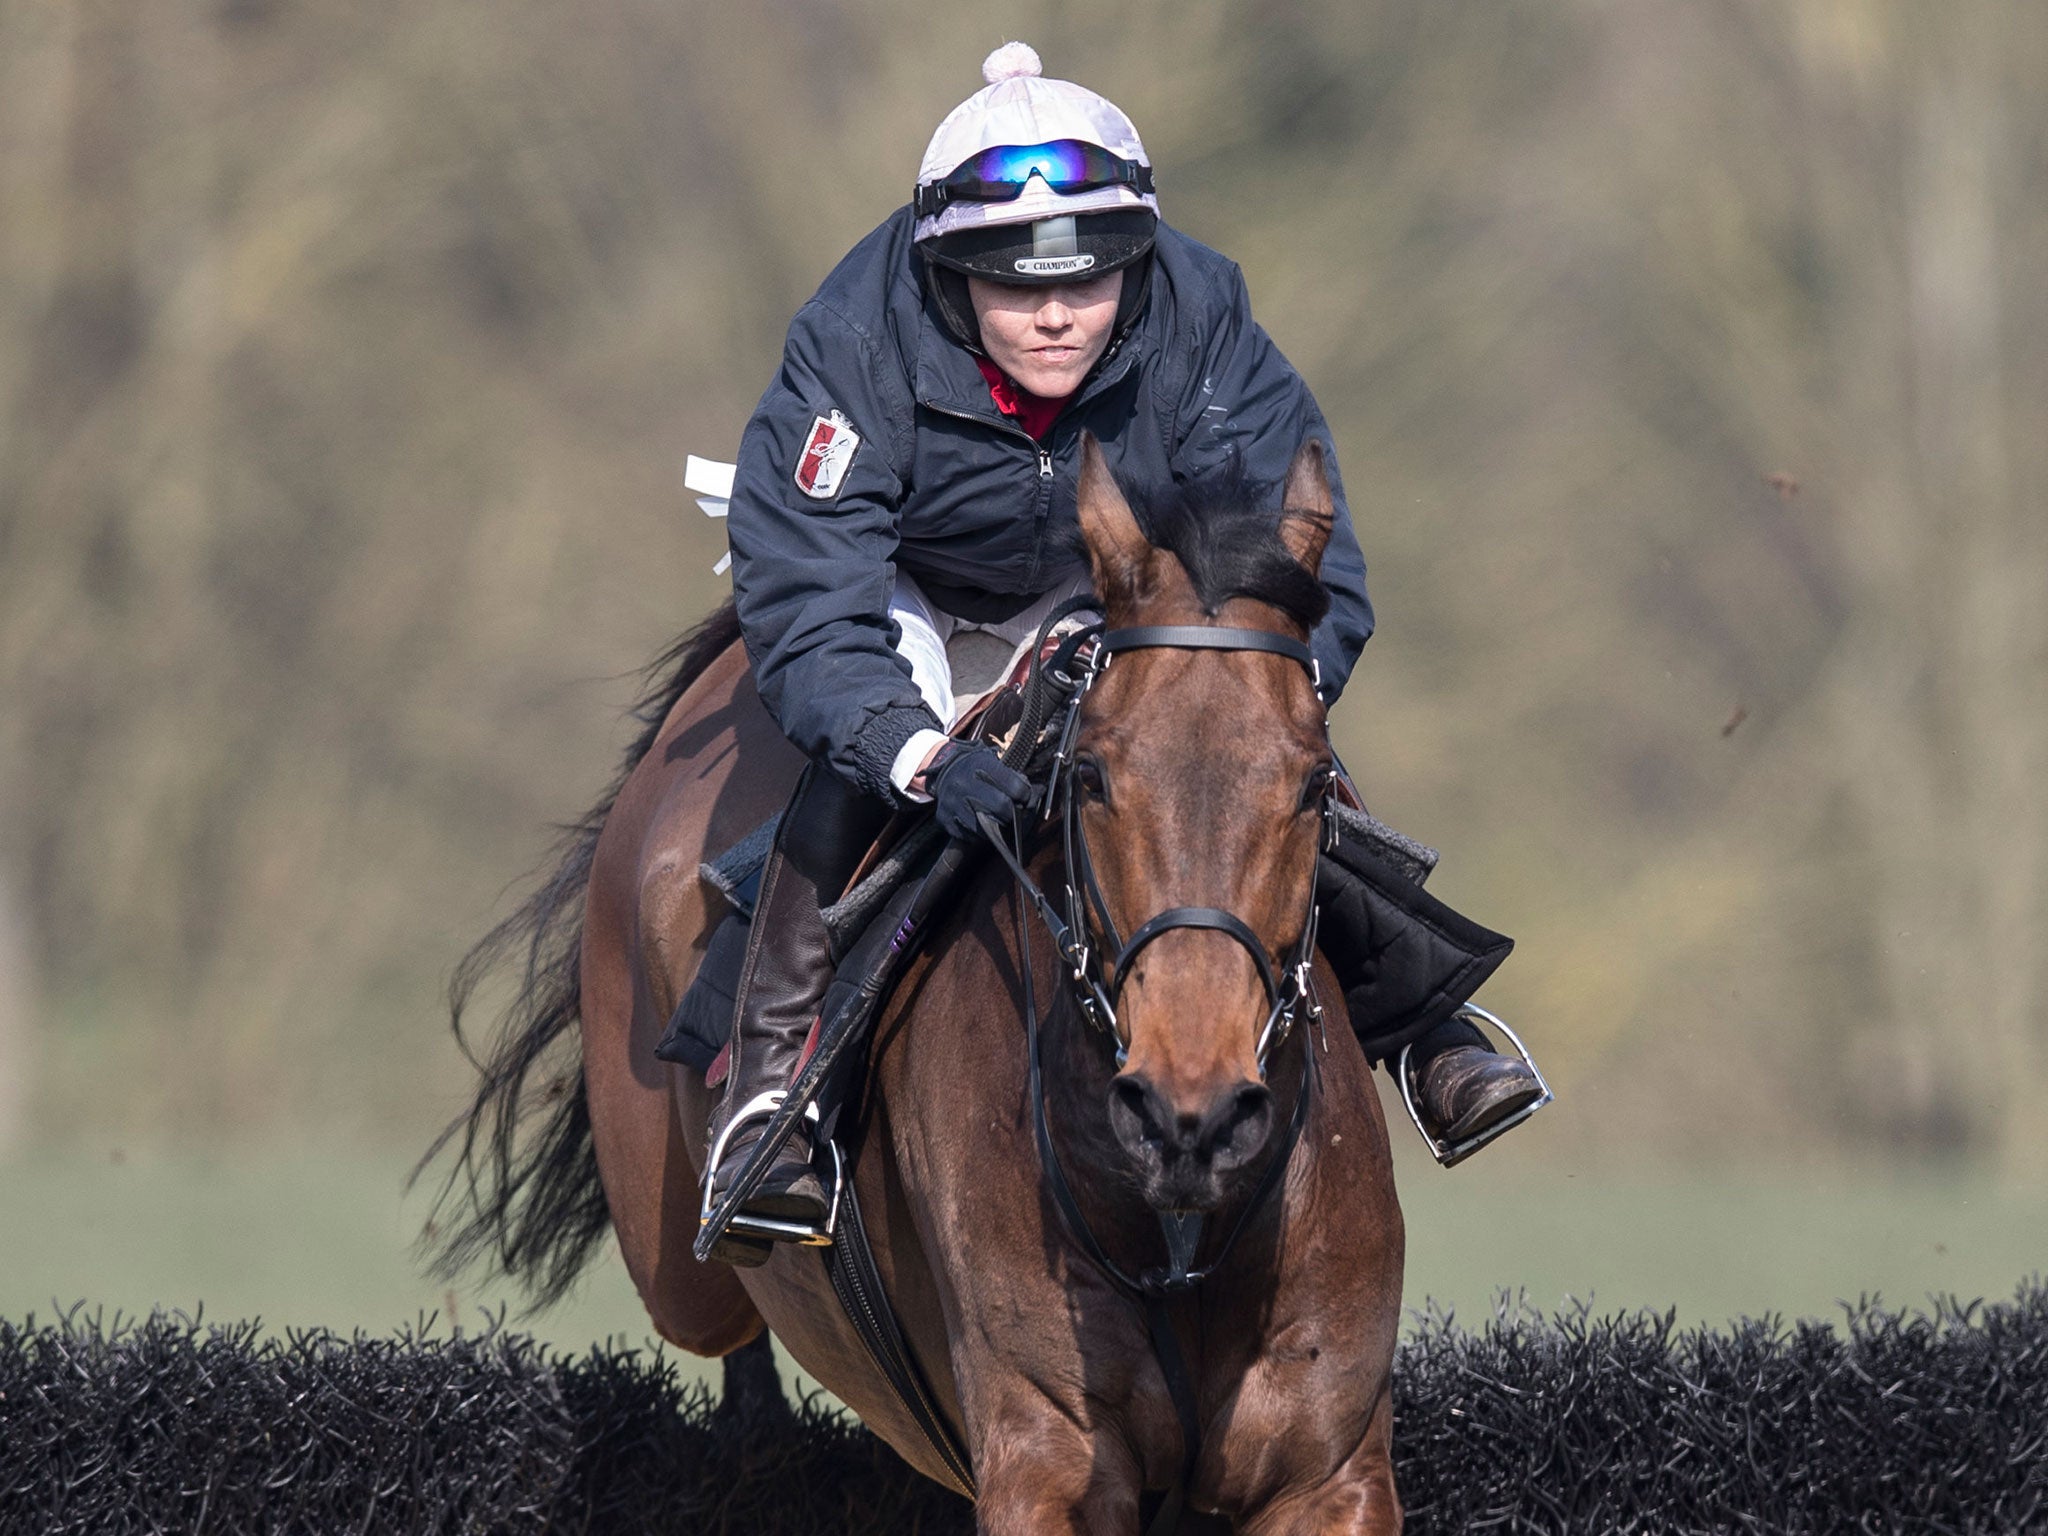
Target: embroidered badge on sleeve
{"x":821,"y":467}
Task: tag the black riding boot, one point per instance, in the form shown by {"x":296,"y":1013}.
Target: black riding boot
{"x":826,"y":829}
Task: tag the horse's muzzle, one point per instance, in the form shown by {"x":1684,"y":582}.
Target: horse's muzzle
{"x":1189,"y":1161}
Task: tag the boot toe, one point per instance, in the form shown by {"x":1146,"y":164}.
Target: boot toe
{"x":791,"y":1192}
{"x":1470,"y":1089}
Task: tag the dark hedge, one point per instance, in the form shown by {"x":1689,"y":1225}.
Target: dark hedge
{"x":1896,"y":1422}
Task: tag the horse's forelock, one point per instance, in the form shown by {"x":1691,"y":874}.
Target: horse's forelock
{"x":1225,"y":533}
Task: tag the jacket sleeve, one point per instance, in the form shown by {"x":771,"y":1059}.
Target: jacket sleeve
{"x":1245,"y":403}
{"x":812,"y":576}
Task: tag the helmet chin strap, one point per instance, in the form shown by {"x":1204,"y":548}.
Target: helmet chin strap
{"x":954,"y":303}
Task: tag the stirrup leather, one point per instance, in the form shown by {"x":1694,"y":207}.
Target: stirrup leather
{"x":1447,"y":1153}
{"x":768,"y":1229}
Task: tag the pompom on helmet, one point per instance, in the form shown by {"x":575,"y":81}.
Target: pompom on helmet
{"x":1035,"y":182}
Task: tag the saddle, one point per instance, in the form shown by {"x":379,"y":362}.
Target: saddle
{"x":699,"y":1032}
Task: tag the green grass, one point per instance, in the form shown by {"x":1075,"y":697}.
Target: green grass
{"x":295,"y":1239}
{"x":301,"y":1239}
{"x":1716,"y":1248}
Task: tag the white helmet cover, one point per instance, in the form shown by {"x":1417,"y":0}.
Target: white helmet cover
{"x":1020,"y":106}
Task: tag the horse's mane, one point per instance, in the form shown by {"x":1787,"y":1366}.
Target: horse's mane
{"x":533,"y":1201}
{"x":1225,"y":531}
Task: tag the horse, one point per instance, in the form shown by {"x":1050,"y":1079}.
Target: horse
{"x":1198,"y":774}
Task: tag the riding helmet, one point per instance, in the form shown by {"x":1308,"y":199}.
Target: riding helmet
{"x":1035,"y":182}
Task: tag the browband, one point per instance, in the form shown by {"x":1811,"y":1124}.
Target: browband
{"x":1202,"y":637}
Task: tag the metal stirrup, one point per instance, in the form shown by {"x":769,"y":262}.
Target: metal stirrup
{"x":1449,"y":1154}
{"x":767,"y":1228}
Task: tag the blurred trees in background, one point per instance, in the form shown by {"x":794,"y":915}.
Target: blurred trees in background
{"x":1681,"y":354}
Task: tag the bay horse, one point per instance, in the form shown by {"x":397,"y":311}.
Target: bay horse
{"x":1200,"y":774}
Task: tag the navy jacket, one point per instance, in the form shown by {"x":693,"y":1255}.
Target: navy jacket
{"x":957,"y":494}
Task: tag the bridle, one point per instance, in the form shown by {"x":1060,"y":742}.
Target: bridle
{"x":1285,"y":981}
{"x":1060,"y":681}
{"x":1071,"y":672}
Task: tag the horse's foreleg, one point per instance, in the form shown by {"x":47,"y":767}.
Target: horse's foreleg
{"x":1042,"y":1473}
{"x":1358,"y":1499}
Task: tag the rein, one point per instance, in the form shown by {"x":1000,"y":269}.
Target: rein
{"x":1289,"y":994}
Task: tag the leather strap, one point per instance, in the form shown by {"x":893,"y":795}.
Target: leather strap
{"x":850,"y":1262}
{"x":1203,"y":637}
{"x":1194,"y":917}
{"x":1180,"y":1386}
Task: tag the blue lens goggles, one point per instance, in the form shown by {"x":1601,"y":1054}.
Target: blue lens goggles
{"x":1000,"y":174}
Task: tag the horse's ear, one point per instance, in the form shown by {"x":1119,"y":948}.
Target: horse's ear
{"x":1308,"y":511}
{"x":1117,"y":547}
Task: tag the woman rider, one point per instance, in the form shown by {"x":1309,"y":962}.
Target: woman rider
{"x":912,"y":469}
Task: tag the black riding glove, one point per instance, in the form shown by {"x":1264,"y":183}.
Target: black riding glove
{"x":967,"y":778}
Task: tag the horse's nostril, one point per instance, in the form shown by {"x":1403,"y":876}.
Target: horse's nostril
{"x":1237,"y":1127}
{"x":1250,"y":1101}
{"x":1233,"y":1128}
{"x":1132,"y":1111}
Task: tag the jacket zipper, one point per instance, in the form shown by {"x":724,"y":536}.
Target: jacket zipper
{"x":1008,"y":426}
{"x":1002,"y":423}
{"x":1045,"y":467}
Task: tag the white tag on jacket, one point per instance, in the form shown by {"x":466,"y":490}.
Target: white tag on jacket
{"x":821,"y":467}
{"x":714,"y":478}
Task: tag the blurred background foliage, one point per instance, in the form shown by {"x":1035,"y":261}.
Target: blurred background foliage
{"x":1681,"y":355}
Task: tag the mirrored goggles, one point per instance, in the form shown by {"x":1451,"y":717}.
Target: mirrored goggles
{"x":999,"y":175}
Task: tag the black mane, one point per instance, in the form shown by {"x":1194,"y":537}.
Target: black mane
{"x":1225,"y":531}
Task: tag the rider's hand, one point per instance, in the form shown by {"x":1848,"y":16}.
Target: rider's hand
{"x":968,"y":777}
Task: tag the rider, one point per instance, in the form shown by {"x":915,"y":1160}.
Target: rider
{"x":912,"y":469}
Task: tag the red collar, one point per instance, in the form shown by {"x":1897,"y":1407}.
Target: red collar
{"x":1034,"y":413}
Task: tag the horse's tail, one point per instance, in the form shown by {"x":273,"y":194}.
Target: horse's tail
{"x":524,"y":1189}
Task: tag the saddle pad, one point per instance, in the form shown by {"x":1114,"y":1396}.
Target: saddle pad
{"x":702,"y":1022}
{"x":1407,"y":961}
{"x":736,"y":876}
{"x":854,"y":913}
{"x":1408,"y":858}
{"x":736,"y":873}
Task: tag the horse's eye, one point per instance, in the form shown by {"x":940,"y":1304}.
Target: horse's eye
{"x":1088,"y":776}
{"x":1318,"y":785}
